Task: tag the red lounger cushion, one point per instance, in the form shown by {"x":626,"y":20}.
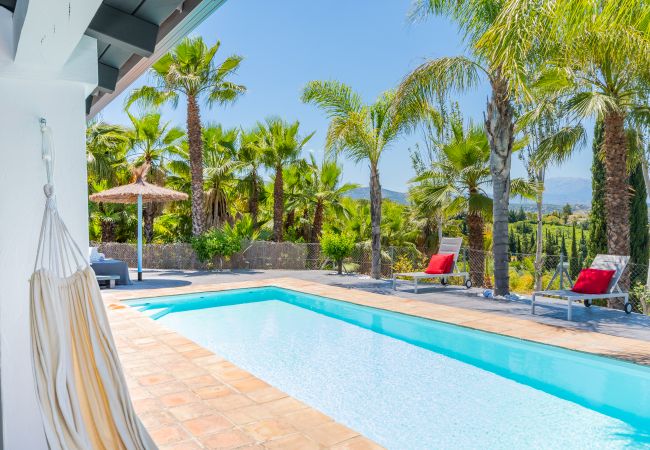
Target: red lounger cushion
{"x":440,"y":264}
{"x":593,"y":281}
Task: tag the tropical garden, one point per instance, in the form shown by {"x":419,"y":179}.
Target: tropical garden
{"x":555,"y":69}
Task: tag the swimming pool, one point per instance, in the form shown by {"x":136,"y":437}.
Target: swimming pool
{"x":412,"y":383}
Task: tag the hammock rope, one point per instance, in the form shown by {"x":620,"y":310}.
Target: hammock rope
{"x":81,"y":390}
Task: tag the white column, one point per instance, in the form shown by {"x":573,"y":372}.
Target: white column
{"x":27,"y":93}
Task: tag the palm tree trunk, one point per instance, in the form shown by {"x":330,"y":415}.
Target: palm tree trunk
{"x":196,"y":164}
{"x":291,"y":220}
{"x":375,"y":221}
{"x":617,"y":192}
{"x":254,"y":201}
{"x":318,"y":222}
{"x":499,"y":127}
{"x":148,"y":216}
{"x":108,"y":230}
{"x":539,"y":262}
{"x":278,"y":204}
{"x":476,"y":248}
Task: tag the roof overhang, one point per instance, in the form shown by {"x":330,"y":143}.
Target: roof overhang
{"x":131,"y":35}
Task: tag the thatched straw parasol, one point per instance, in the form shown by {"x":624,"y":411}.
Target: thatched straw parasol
{"x":138,"y":191}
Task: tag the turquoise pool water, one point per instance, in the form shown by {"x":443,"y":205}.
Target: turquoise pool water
{"x":411,"y":383}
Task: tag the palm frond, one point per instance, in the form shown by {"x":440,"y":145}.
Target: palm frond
{"x":558,"y":147}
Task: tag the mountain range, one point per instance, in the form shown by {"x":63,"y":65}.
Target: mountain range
{"x":558,"y":191}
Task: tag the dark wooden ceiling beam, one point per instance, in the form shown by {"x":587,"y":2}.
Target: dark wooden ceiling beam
{"x":9,"y":4}
{"x":107,"y":78}
{"x":118,"y":28}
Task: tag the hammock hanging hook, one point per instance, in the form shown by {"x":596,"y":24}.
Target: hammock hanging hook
{"x":47,"y":153}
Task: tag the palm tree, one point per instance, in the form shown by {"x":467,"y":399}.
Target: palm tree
{"x":190,"y":70}
{"x":457,"y":179}
{"x":151,"y":142}
{"x":297,"y":182}
{"x":105,"y":151}
{"x":249,"y":154}
{"x":281,"y":144}
{"x":364,"y":132}
{"x":106,"y":147}
{"x":550,"y":142}
{"x":220,"y":173}
{"x":327,"y":192}
{"x":460,"y":73}
{"x":595,"y":66}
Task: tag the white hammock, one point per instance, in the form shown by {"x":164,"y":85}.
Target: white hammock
{"x":81,"y":390}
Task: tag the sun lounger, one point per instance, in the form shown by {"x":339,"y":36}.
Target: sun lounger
{"x":602,"y":262}
{"x":447,"y":246}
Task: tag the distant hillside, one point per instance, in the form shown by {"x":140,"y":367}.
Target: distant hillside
{"x":557,"y":193}
{"x":363,"y":193}
{"x":563,"y":190}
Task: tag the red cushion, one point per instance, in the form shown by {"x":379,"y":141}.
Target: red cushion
{"x":593,"y":281}
{"x":440,"y":264}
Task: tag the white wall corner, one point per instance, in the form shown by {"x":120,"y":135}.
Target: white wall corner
{"x":82,"y":65}
{"x":49,"y":30}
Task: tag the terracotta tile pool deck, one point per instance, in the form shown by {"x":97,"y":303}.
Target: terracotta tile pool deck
{"x":190,"y":398}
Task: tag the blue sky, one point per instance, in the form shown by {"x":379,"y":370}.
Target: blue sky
{"x":367,"y":44}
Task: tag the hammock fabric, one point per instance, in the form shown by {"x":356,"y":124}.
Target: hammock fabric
{"x":81,"y":389}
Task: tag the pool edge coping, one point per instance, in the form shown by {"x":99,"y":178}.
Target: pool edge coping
{"x":591,"y":342}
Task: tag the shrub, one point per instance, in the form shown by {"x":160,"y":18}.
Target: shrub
{"x":216,"y":243}
{"x":642,"y":294}
{"x":403,"y":264}
{"x":338,"y":247}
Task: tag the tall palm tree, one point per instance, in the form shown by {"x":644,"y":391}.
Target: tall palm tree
{"x":152,"y":142}
{"x":281,"y":144}
{"x":594,"y":65}
{"x":220,"y":173}
{"x":457,"y":179}
{"x":327,"y":192}
{"x":364,"y":132}
{"x":461,"y":73}
{"x":189,"y":70}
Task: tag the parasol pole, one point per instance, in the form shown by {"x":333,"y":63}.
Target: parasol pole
{"x":140,"y":237}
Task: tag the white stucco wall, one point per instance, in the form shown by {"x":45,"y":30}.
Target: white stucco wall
{"x":26,"y":94}
{"x":21,"y":202}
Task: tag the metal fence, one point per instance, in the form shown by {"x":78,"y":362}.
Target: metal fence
{"x":524,"y":276}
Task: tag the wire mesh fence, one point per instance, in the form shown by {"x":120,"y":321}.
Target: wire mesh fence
{"x":527,"y":272}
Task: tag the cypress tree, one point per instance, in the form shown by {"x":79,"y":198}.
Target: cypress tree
{"x":512,"y":244}
{"x":638,"y":224}
{"x":597,"y":224}
{"x":521,"y":215}
{"x":563,"y":247}
{"x":583,"y":245}
{"x":574,"y":260}
{"x":532,"y":243}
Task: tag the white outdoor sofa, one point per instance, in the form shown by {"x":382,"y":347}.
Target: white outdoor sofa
{"x":602,"y":262}
{"x":447,"y":246}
